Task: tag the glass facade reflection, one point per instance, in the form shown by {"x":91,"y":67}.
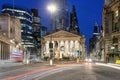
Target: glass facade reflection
{"x":25,"y":17}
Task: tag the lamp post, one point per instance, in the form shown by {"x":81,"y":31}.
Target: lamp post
{"x":52,"y":9}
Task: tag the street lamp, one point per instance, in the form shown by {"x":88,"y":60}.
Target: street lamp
{"x":52,"y":9}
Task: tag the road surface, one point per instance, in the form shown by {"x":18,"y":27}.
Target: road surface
{"x":86,"y":71}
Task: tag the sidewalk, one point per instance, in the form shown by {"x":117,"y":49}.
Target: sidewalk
{"x":13,"y":65}
{"x":7,"y":66}
{"x":112,"y":65}
{"x":8,"y":63}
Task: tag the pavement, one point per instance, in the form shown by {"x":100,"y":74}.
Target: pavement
{"x":112,"y":65}
{"x":7,"y":63}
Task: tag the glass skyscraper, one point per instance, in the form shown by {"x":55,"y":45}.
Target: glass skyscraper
{"x":74,"y":27}
{"x":25,"y":17}
{"x":60,"y":19}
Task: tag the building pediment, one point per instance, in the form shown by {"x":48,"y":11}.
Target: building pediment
{"x":62,"y":34}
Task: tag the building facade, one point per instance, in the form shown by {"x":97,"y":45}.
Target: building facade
{"x":96,"y":45}
{"x":65,"y":44}
{"x":111,"y":35}
{"x":10,"y":36}
{"x":38,"y":32}
{"x":36,"y":22}
{"x":25,"y":17}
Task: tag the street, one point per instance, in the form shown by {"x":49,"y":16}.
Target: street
{"x":86,"y":71}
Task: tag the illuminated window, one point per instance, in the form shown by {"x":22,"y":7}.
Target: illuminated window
{"x":116,"y":13}
{"x":21,"y":30}
{"x":21,"y":14}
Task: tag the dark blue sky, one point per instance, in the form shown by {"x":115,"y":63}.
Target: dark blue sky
{"x":88,"y":12}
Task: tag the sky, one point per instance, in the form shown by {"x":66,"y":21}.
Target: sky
{"x":88,"y":12}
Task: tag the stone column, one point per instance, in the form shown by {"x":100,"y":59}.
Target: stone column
{"x":64,"y":47}
{"x":60,"y":56}
{"x":68,"y":47}
{"x":53,"y":48}
{"x":74,"y":49}
{"x":58,"y":49}
{"x":76,"y":45}
{"x":71,"y":49}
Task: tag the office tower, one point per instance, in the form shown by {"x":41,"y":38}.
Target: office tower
{"x":36,"y":27}
{"x":25,"y":17}
{"x":74,"y":28}
{"x":60,"y":16}
{"x":111,"y":30}
{"x":96,"y":29}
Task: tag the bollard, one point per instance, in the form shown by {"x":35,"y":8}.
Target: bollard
{"x":51,"y":62}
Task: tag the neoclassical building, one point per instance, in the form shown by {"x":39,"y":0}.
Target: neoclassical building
{"x":10,"y":36}
{"x":111,"y":30}
{"x":65,"y":44}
